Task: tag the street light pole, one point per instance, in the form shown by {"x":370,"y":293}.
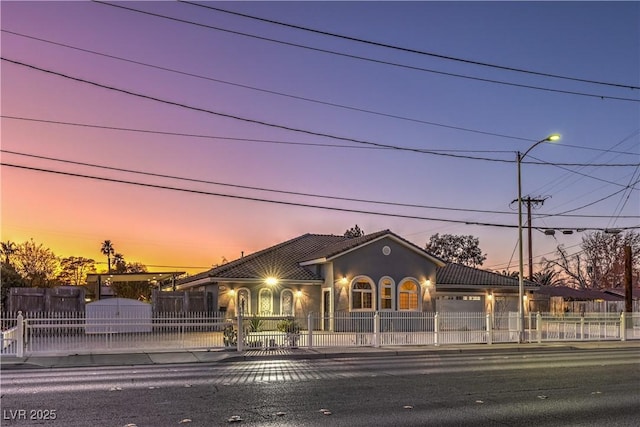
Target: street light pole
{"x":519,"y":158}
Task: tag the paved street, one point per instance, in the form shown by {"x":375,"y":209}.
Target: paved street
{"x":588,"y":387}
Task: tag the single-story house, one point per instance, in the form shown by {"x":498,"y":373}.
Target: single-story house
{"x":336,"y":274}
{"x":563,"y":299}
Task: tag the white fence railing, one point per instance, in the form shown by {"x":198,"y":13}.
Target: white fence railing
{"x":74,"y":333}
{"x":10,"y":331}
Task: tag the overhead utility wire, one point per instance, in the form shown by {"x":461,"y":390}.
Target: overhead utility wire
{"x":266,"y":141}
{"x":594,"y":202}
{"x":301,"y":98}
{"x":246,"y":187}
{"x":571,"y":171}
{"x":244,"y":119}
{"x":308,"y":99}
{"x":277,"y":142}
{"x":369,"y":59}
{"x":409,"y":50}
{"x":271,"y":141}
{"x":257,"y":199}
{"x":348,"y":199}
{"x":292,"y":129}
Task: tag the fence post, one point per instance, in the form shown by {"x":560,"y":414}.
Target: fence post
{"x":582,"y":327}
{"x":376,"y":330}
{"x":310,"y":331}
{"x":20,"y":330}
{"x":436,"y":330}
{"x":489,"y":330}
{"x":623,"y":327}
{"x":539,"y":327}
{"x":240,"y":337}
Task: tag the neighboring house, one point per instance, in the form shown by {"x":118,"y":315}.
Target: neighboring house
{"x":336,"y":274}
{"x":563,"y":299}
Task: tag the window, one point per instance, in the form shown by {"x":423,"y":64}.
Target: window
{"x":286,"y":302}
{"x":266,"y":302}
{"x":460,"y":297}
{"x":408,"y":295}
{"x":244,"y":301}
{"x":386,"y":294}
{"x":362,"y":295}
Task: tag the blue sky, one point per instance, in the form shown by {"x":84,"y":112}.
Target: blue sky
{"x":315,"y":92}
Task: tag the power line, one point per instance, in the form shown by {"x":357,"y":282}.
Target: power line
{"x":244,"y":119}
{"x":596,"y":201}
{"x":409,"y":50}
{"x":311,"y":144}
{"x":330,"y":104}
{"x":459,"y":128}
{"x":580,"y":173}
{"x":259,"y":122}
{"x":368,"y":59}
{"x":245,"y":187}
{"x":278,"y":202}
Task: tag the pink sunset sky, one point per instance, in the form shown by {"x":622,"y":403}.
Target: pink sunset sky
{"x":238,"y":107}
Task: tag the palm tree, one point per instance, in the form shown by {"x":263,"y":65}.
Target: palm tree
{"x":108,"y":250}
{"x":119,"y":263}
{"x":548,"y":278}
{"x":7,"y":249}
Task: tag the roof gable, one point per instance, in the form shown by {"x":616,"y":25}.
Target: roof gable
{"x":338,"y":249}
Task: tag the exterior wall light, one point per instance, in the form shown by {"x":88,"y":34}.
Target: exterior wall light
{"x":299,"y":294}
{"x":271,"y":281}
{"x":232,"y":292}
{"x":344,"y":280}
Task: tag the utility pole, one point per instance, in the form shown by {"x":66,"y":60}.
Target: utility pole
{"x":628,"y":290}
{"x":529,"y":201}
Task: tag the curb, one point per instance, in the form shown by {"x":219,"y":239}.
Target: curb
{"x":203,"y":357}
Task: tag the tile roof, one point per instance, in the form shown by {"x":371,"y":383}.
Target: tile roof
{"x":458,"y":274}
{"x":281,"y":261}
{"x":579,"y":294}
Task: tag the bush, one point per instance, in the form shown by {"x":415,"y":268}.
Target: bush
{"x":288,"y":326}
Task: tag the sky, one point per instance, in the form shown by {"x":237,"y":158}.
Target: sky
{"x":188,"y":135}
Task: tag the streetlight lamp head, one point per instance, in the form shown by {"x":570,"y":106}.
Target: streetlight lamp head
{"x":553,"y":137}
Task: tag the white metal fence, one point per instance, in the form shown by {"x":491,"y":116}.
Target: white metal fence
{"x":75,"y":333}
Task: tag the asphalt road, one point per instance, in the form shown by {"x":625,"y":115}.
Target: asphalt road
{"x":548,"y":388}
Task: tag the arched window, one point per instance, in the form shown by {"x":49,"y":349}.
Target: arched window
{"x":387,"y":294}
{"x":362,"y":294}
{"x":286,"y":302}
{"x":244,"y":301}
{"x":408,"y":293}
{"x":265,"y":301}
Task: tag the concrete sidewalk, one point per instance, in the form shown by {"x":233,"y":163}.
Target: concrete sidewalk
{"x":213,"y":356}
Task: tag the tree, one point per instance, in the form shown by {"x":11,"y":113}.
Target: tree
{"x":354,"y":232}
{"x":140,"y":290}
{"x":119,"y":263}
{"x":459,"y":249}
{"x":74,"y":270}
{"x":7,"y":249}
{"x":600,"y":263}
{"x":136,"y":267}
{"x":548,"y":277}
{"x":108,"y":250}
{"x":36,"y":264}
{"x":9,"y":278}
{"x":122,"y":266}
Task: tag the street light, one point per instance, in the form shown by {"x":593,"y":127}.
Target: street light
{"x":519,"y":157}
